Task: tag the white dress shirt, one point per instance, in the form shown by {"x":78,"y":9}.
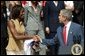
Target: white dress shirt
{"x":56,"y":3}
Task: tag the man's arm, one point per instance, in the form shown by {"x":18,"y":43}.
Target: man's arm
{"x":50,"y":41}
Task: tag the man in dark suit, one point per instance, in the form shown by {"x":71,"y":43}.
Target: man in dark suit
{"x":78,"y":12}
{"x":66,"y":35}
{"x":51,"y":21}
{"x":4,"y":34}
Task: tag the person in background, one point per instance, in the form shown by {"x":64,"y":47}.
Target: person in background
{"x":51,"y":22}
{"x":23,"y":3}
{"x":78,"y":12}
{"x":33,"y":25}
{"x":11,"y":4}
{"x":69,"y":5}
{"x":4,"y":34}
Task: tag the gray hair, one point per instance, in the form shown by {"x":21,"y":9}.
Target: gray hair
{"x":67,"y":13}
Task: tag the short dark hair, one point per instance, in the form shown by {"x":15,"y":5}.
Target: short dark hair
{"x":16,"y":11}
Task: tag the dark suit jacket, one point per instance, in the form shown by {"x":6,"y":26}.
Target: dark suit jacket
{"x":75,"y":34}
{"x":79,"y":17}
{"x":4,"y":34}
{"x":51,"y":13}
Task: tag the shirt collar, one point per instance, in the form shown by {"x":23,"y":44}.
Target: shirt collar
{"x":68,"y":24}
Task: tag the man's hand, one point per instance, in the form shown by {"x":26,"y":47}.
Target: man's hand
{"x":39,"y":38}
{"x":47,"y":30}
{"x":36,"y":38}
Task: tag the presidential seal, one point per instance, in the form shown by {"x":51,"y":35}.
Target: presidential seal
{"x":76,"y":49}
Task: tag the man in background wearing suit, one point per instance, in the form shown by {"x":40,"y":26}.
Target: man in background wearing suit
{"x":4,"y":34}
{"x":66,"y":34}
{"x":78,"y":12}
{"x":51,"y":21}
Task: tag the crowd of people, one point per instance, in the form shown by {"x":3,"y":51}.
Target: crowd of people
{"x":41,"y":27}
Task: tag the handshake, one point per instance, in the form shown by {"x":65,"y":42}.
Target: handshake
{"x":35,"y":44}
{"x":37,"y":38}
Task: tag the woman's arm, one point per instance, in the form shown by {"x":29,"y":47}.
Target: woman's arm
{"x":15,"y":34}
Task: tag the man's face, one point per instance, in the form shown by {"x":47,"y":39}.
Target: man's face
{"x":61,"y":18}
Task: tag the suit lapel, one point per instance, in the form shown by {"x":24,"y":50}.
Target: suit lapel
{"x":55,"y":7}
{"x":61,"y":36}
{"x":70,"y":32}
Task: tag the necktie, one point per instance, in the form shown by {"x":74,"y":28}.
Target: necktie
{"x":64,"y":34}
